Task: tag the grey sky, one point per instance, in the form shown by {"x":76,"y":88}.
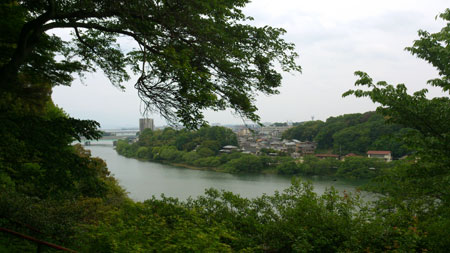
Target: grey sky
{"x":333,"y":38}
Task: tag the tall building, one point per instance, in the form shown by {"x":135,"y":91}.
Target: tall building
{"x":146,"y":123}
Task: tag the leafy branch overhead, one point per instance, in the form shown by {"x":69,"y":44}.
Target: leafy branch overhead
{"x":426,"y":117}
{"x":189,"y":55}
{"x":434,"y":48}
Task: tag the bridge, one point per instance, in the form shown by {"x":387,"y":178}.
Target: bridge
{"x":97,"y":143}
{"x":120,"y":132}
{"x":110,"y":137}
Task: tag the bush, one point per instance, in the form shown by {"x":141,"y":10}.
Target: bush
{"x":190,"y":157}
{"x":208,"y":162}
{"x":143,"y":153}
{"x":170,"y":153}
{"x":246,"y":163}
{"x":287,"y":168}
{"x":360,"y":167}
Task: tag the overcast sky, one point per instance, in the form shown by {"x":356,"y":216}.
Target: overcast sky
{"x":333,"y":38}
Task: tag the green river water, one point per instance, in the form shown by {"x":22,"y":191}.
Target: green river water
{"x":143,"y":179}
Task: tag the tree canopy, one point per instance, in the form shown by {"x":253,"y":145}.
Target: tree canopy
{"x":418,"y":189}
{"x":189,"y":55}
{"x":352,"y":133}
{"x":427,"y":118}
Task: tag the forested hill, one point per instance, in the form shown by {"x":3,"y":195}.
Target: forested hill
{"x":207,"y":141}
{"x":351,"y":133}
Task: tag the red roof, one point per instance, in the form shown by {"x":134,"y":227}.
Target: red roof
{"x":378,"y":152}
{"x":351,"y":154}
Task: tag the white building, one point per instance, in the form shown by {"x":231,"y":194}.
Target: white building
{"x":385,"y":155}
{"x":275,"y":131}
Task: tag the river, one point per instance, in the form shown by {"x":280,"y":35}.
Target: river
{"x":143,"y":179}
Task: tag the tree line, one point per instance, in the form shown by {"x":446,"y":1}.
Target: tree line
{"x":352,"y":133}
{"x":201,"y":149}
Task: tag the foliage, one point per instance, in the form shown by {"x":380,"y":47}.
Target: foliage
{"x":294,"y":220}
{"x":190,"y":157}
{"x":212,"y":145}
{"x":155,"y":225}
{"x":190,"y":56}
{"x":433,"y":47}
{"x":245,"y":163}
{"x":55,"y":218}
{"x":35,"y":156}
{"x":430,"y":134}
{"x":312,"y":165}
{"x":211,"y":162}
{"x":362,"y":167}
{"x":152,"y":146}
{"x":352,"y":133}
{"x":169,"y":153}
{"x":417,"y":191}
{"x":288,"y":168}
{"x":193,"y":47}
{"x":223,"y":136}
{"x":198,"y":148}
{"x":175,"y":146}
{"x":213,"y":138}
{"x":305,"y":131}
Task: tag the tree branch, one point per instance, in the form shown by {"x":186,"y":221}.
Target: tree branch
{"x":135,"y":36}
{"x":77,"y":33}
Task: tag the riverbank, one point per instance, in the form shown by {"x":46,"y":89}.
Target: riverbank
{"x":356,"y":183}
{"x":144,"y":179}
{"x":265,"y":172}
{"x":215,"y":169}
{"x":182,"y":165}
{"x":204,"y":158}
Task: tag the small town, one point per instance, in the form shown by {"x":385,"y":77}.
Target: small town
{"x":269,"y":138}
{"x":255,"y":139}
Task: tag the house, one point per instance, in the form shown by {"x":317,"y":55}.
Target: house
{"x":276,"y":145}
{"x":290,"y":147}
{"x":229,"y":149}
{"x":244,"y":132}
{"x":385,"y":155}
{"x":305,"y":147}
{"x":250,"y":149}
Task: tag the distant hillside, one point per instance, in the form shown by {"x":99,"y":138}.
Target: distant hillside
{"x":352,"y":133}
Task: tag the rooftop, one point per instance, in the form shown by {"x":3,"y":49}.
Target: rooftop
{"x":378,"y":152}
